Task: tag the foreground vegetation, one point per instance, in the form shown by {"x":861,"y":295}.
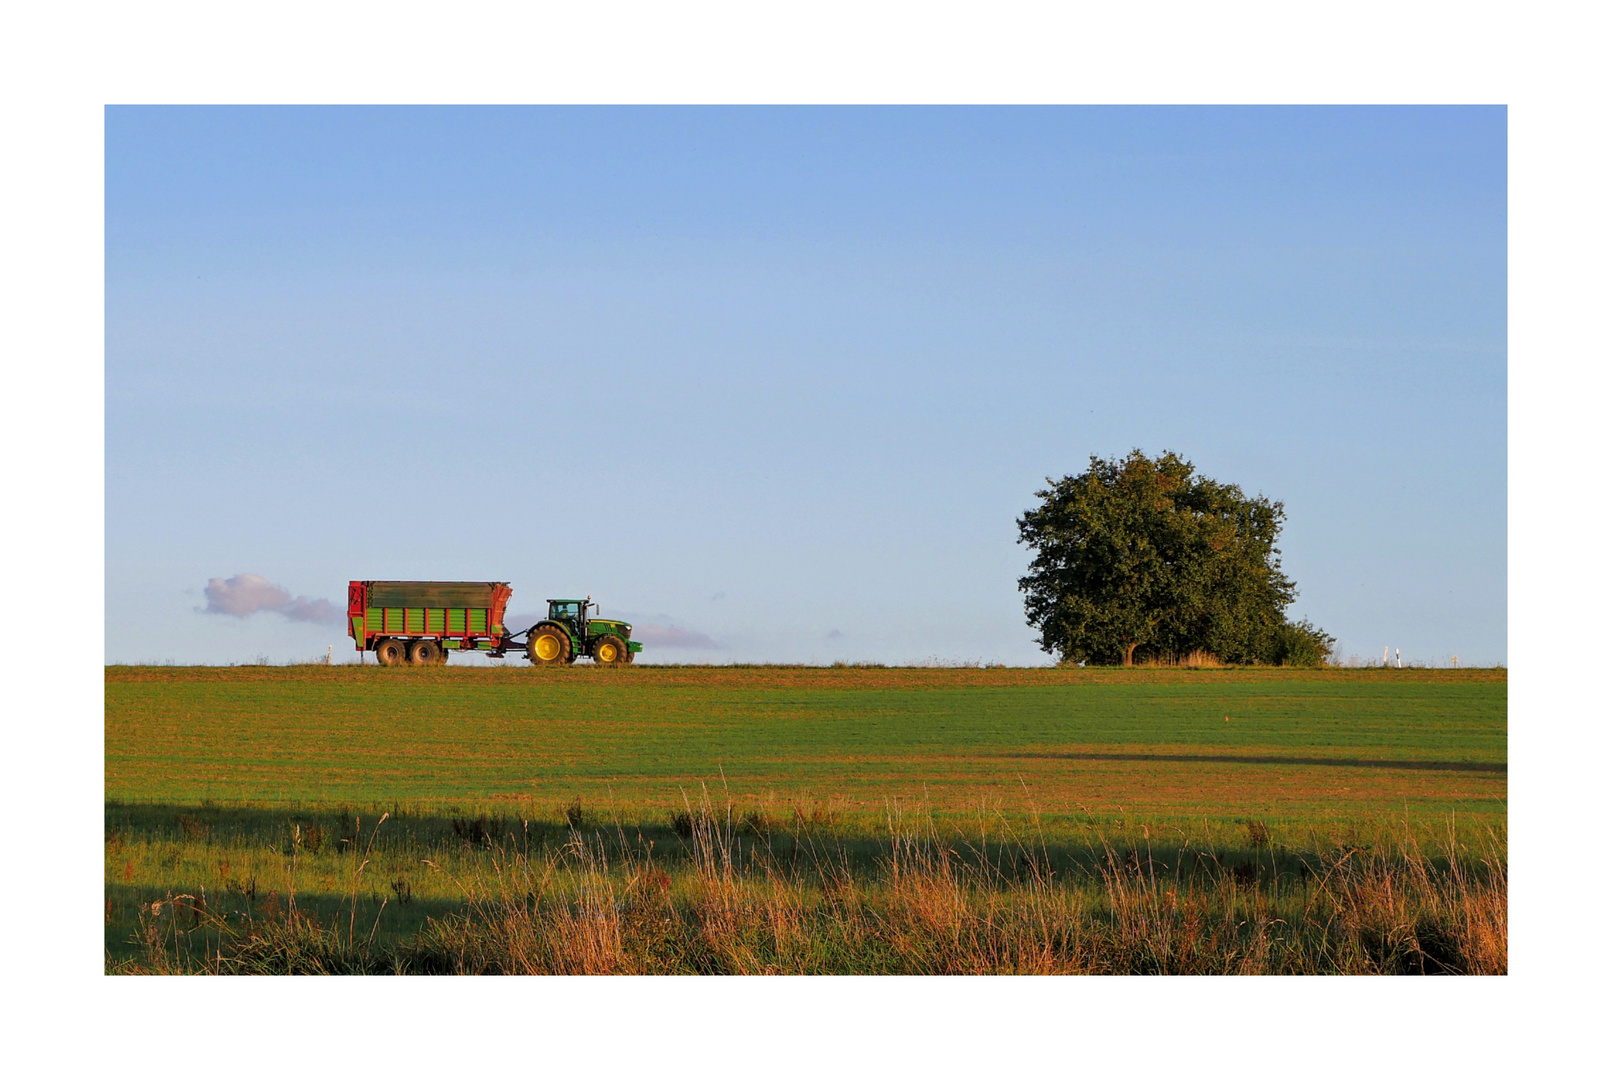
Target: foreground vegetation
{"x":804,"y":820}
{"x":750,"y":896}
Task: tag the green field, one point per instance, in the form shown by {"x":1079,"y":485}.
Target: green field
{"x":215,"y":777}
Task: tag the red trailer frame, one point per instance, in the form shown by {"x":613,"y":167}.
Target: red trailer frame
{"x":453,"y":614}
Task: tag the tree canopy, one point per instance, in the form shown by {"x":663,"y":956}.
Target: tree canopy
{"x":1142,"y":558}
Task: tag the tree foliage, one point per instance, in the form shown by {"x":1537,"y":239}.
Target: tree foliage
{"x":1142,"y":558}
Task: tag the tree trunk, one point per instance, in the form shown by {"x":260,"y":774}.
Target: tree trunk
{"x":1130,"y":650}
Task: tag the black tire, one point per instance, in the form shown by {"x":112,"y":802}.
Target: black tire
{"x":610,"y":651}
{"x":389,"y":652}
{"x":425,"y":653}
{"x":442,"y":655}
{"x":548,"y":644}
{"x":627,"y":657}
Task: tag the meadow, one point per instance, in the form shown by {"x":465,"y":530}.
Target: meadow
{"x":804,"y":819}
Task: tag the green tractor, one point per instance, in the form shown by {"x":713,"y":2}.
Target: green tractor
{"x":568,"y":633}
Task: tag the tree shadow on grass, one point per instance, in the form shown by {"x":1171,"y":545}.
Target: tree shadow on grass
{"x":197,"y":839}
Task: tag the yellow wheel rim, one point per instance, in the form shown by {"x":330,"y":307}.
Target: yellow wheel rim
{"x":548,"y":647}
{"x":607,"y":653}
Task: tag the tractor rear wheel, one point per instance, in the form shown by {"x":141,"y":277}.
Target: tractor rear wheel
{"x":424,"y":653}
{"x":390,"y":652}
{"x":609,"y":649}
{"x":548,"y":645}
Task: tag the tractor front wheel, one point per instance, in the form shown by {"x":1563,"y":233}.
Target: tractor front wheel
{"x":424,"y":653}
{"x":390,"y":653}
{"x":548,"y":645}
{"x":609,"y":649}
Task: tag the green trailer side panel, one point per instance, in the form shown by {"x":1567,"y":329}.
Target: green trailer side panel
{"x":381,"y":620}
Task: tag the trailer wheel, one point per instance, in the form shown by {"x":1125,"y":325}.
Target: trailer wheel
{"x":548,"y":645}
{"x":610,"y":650}
{"x":389,"y":652}
{"x":423,"y":653}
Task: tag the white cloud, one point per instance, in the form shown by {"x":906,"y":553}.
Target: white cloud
{"x":243,"y":595}
{"x":247,"y":594}
{"x":303,"y":609}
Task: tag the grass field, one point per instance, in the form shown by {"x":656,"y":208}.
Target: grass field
{"x":256,"y":789}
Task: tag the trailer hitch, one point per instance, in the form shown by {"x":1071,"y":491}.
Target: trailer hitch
{"x":507,"y":641}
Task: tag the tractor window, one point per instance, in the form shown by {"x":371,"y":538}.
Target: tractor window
{"x":563,"y":611}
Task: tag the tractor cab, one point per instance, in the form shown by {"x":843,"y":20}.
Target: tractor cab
{"x":569,"y":612}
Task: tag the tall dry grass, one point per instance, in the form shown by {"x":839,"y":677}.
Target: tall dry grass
{"x":1194,"y":658}
{"x":740,"y":900}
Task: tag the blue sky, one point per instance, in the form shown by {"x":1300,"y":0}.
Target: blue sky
{"x":781,"y":379}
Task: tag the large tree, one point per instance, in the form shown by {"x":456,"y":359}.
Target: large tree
{"x":1142,"y":557}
